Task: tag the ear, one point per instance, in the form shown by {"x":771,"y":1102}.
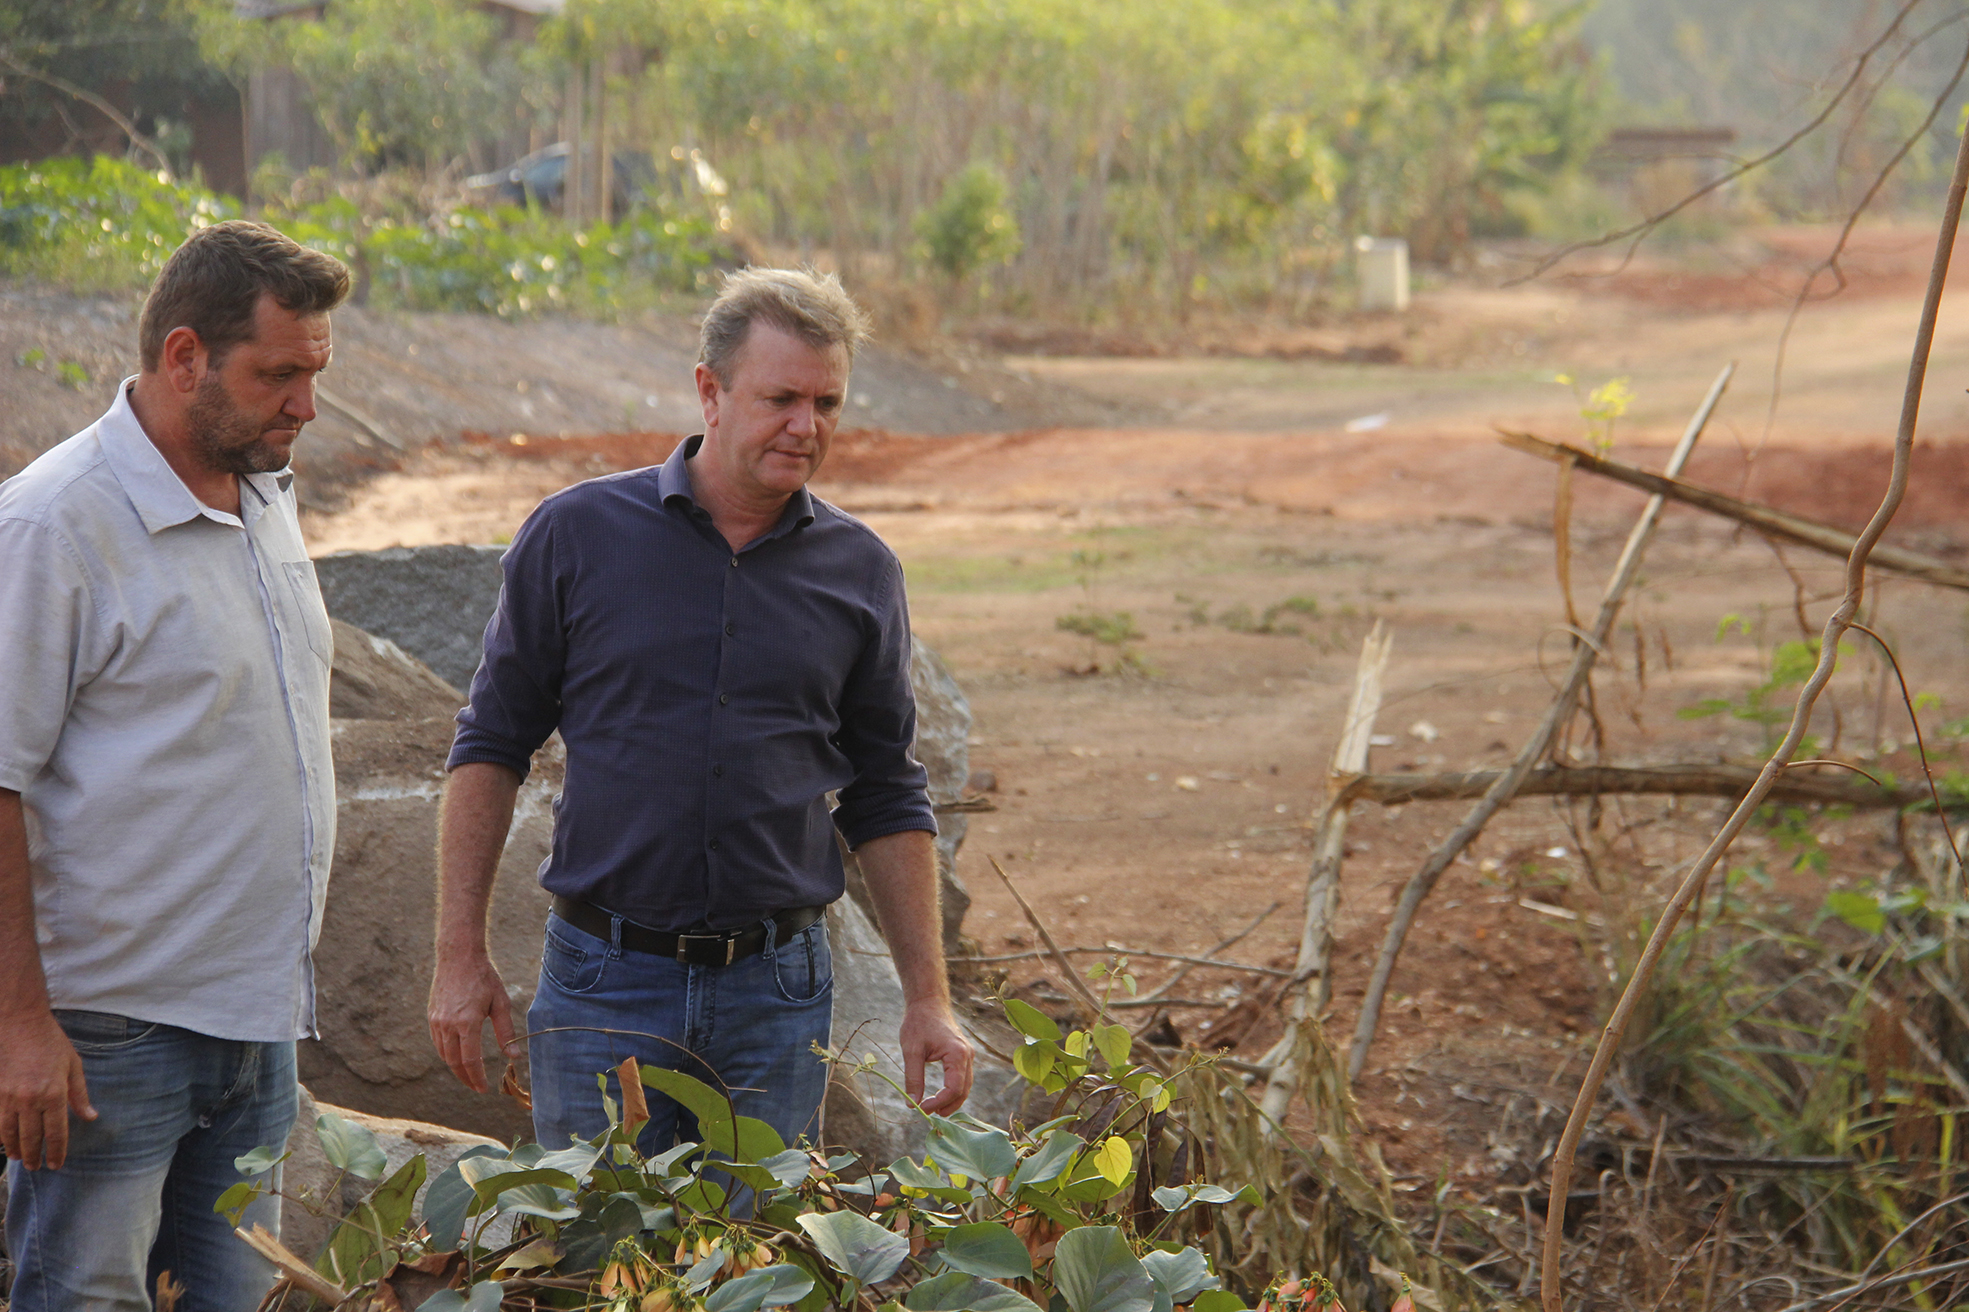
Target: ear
{"x":709,"y":394}
{"x":184,"y":360}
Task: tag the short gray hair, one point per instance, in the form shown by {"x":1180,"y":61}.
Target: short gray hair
{"x":811,"y":306}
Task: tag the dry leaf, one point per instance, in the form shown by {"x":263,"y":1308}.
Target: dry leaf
{"x":635,"y":1108}
{"x":512,"y":1088}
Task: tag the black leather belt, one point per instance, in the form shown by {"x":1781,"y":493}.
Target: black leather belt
{"x":691,"y":949}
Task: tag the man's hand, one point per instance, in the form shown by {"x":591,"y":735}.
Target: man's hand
{"x":40,"y":1083}
{"x":463,"y":994}
{"x":930,"y":1033}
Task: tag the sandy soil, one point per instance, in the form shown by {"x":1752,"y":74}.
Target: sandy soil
{"x":1154,"y":795}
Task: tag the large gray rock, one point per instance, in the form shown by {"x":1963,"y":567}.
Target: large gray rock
{"x":431,"y":601}
{"x":943,"y":733}
{"x":317,"y":1195}
{"x":865,"y":1111}
{"x":373,"y":965}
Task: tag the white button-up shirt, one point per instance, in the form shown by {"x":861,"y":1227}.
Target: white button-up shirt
{"x":164,"y":716}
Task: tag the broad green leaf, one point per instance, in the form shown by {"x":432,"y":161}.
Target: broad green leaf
{"x":1860,"y":910}
{"x":1114,"y":1042}
{"x":989,"y":1250}
{"x":1030,"y":1021}
{"x":699,"y":1277}
{"x":745,"y":1140}
{"x":954,"y":1291}
{"x":909,"y":1175}
{"x":259,"y":1161}
{"x":448,"y":1197}
{"x":1174,"y":1198}
{"x":1034,"y":1060}
{"x":1114,"y":1159}
{"x":483,"y":1297}
{"x":982,"y":1154}
{"x":1181,"y":1275}
{"x":350,"y":1147}
{"x":359,"y":1250}
{"x":1077,"y":1043}
{"x":1217,"y":1300}
{"x":1096,"y":1271}
{"x":855,"y":1245}
{"x":577,"y":1160}
{"x":769,"y":1286}
{"x":791,"y":1168}
{"x":234,"y":1201}
{"x":541,"y":1252}
{"x":495,"y":1184}
{"x":1046,"y":1164}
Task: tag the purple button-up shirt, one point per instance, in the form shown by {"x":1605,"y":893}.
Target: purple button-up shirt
{"x":708,"y":700}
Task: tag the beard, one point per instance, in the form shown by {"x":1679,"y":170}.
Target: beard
{"x":226,"y":439}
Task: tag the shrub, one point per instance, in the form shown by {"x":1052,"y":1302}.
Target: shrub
{"x":97,"y":224}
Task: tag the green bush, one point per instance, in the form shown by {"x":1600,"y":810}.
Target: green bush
{"x":969,"y":226}
{"x":103,"y":224}
{"x":97,"y":224}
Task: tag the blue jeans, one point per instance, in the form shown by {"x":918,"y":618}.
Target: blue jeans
{"x":134,"y":1199}
{"x":748,"y":1028}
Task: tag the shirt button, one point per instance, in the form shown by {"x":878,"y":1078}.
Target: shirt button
{"x":734,"y":562}
{"x":713,"y":845}
{"x":730,"y":629}
{"x":724,"y":698}
{"x":718,"y":770}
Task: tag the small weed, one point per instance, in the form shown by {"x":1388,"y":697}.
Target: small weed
{"x":1112,"y":628}
{"x":31,"y":358}
{"x":72,"y":375}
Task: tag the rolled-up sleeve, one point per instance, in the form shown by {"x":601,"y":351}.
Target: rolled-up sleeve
{"x":889,"y":794}
{"x":45,"y":606}
{"x":515,"y":702}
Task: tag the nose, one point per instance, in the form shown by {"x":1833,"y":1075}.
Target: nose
{"x":802,"y":420}
{"x":300,"y":402}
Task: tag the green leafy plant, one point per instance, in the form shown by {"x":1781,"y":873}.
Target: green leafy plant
{"x":97,"y":224}
{"x":1086,"y":1212}
{"x":969,"y":226}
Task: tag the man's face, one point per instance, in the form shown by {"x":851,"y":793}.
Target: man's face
{"x":249,"y":407}
{"x":768,"y":432}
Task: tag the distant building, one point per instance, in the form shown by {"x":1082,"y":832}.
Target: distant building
{"x":1658,"y":166}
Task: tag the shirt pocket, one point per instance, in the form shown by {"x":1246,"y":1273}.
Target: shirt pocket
{"x":310,"y":613}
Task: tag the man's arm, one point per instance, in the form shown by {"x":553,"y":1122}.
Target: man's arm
{"x":465,"y":987}
{"x":901,"y":872}
{"x":40,"y":1073}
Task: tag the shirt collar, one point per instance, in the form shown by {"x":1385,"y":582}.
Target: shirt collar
{"x":161,"y":498}
{"x":673,"y":482}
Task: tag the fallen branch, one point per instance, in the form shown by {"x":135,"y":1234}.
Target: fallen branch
{"x":1836,"y":626}
{"x":296,"y":1272}
{"x":1585,"y":652}
{"x":1765,"y":519}
{"x":1074,"y":982}
{"x":1115,"y":949}
{"x":1673,"y":780}
{"x":1161,"y":990}
{"x":1311,"y":987}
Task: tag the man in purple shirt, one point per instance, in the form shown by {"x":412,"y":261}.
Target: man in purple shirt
{"x":719,"y":650}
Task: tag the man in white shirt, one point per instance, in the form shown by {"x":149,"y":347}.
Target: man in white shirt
{"x":167,"y":796}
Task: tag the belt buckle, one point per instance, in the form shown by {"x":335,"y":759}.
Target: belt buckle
{"x":685,"y":940}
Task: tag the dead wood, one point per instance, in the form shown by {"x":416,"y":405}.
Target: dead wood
{"x":1836,"y":626}
{"x":1676,"y":780}
{"x":292,"y":1268}
{"x":1774,"y":523}
{"x":1074,"y":982}
{"x":1116,"y":949}
{"x":1162,"y":990}
{"x":1311,"y":985}
{"x":1557,"y":715}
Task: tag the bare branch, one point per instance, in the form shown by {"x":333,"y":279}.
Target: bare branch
{"x":96,"y":102}
{"x":1836,"y":627}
